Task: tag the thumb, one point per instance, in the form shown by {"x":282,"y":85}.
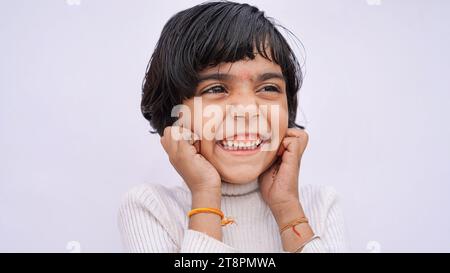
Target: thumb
{"x":198,"y":146}
{"x":281,"y":149}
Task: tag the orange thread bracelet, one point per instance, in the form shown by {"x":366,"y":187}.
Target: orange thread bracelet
{"x":224,"y":220}
{"x":292,"y":225}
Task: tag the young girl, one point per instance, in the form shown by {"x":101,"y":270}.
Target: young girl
{"x":241,"y":190}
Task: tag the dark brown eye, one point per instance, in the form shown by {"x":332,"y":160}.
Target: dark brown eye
{"x":270,"y":88}
{"x":214,"y":90}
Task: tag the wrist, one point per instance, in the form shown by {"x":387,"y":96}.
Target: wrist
{"x":208,"y":223}
{"x":210,"y":198}
{"x":287,"y":211}
{"x":211,"y":186}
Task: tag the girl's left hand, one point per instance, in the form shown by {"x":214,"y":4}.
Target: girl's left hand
{"x":279,"y":183}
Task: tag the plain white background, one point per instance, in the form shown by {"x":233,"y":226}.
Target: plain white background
{"x":375,"y":102}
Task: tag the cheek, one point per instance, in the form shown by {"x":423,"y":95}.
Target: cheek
{"x":279,"y":121}
{"x":284,"y":118}
{"x":206,"y":127}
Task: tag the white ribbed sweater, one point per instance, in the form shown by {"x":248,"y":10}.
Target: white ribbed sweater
{"x":153,"y":218}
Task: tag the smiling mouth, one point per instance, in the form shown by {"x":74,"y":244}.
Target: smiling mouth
{"x":241,"y":145}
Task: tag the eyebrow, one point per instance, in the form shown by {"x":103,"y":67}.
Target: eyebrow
{"x":228,"y":77}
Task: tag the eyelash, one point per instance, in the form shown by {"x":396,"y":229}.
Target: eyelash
{"x":207,"y":91}
{"x":212,"y":88}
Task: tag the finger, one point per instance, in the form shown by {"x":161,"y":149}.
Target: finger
{"x":300,"y":135}
{"x":292,"y":132}
{"x":295,"y":132}
{"x":293,"y":147}
{"x":281,"y":149}
{"x":193,"y":138}
{"x":198,"y":146}
{"x":186,"y":144}
{"x":166,"y":140}
{"x":188,"y":135}
{"x":172,"y":133}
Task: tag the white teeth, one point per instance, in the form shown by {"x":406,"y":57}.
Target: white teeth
{"x":240,"y":145}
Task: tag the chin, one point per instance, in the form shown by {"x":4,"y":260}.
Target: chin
{"x":239,"y":177}
{"x":242,"y":172}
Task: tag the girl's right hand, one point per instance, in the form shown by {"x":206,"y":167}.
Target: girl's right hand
{"x":183,"y":149}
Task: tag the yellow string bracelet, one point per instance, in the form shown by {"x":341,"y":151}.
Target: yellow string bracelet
{"x":224,"y":220}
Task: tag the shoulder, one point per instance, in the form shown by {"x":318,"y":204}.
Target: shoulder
{"x":318,"y":194}
{"x":165,"y":203}
{"x":321,"y":205}
{"x":156,"y":196}
{"x":149,"y":211}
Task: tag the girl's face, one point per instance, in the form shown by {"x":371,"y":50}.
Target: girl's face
{"x":244,"y":140}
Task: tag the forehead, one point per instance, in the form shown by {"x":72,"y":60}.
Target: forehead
{"x":244,"y":69}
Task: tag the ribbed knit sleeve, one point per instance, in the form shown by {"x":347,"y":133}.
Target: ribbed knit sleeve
{"x":143,"y":228}
{"x":330,"y":228}
{"x":195,"y":241}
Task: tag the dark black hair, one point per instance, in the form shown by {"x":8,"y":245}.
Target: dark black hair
{"x":206,"y":35}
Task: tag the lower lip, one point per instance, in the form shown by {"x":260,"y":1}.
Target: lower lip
{"x":242,"y":152}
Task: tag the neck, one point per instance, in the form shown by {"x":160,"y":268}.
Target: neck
{"x":234,"y":189}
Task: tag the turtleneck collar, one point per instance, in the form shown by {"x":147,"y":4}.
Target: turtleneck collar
{"x":231,"y":189}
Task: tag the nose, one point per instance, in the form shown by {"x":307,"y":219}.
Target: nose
{"x":244,"y":96}
{"x":247,"y":112}
{"x":243,"y":104}
{"x":243,"y":112}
